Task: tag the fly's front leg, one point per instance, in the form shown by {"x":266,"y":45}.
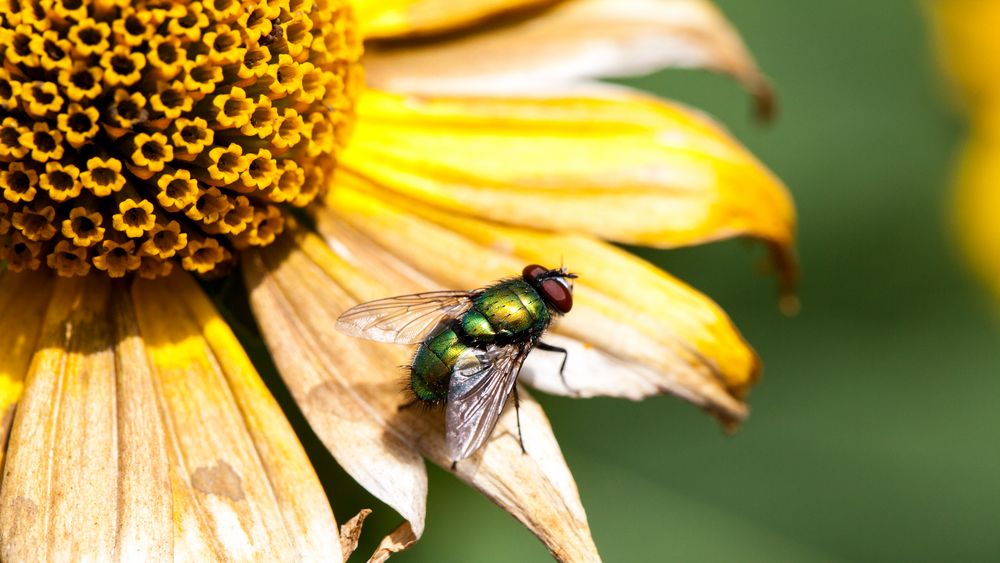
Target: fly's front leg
{"x":562,"y":368}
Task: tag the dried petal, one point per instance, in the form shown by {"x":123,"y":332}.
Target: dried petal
{"x":635,"y":315}
{"x":298,"y":289}
{"x":399,"y":540}
{"x":350,"y":533}
{"x":144,"y":399}
{"x":572,"y":41}
{"x":23,"y":299}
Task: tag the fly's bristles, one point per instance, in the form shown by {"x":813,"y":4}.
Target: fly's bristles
{"x":139,"y":135}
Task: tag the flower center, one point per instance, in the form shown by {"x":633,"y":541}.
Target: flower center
{"x":139,"y":134}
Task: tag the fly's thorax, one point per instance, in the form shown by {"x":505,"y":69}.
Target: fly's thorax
{"x":508,"y":311}
{"x":430,"y":372}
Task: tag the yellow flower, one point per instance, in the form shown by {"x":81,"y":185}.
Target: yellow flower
{"x":971,"y":51}
{"x":143,"y":141}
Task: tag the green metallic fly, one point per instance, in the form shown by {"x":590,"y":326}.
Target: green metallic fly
{"x":472,"y":344}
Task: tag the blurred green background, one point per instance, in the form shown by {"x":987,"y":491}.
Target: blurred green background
{"x":873,"y":433}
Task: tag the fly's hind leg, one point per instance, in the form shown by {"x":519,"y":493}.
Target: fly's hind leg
{"x":562,"y":368}
{"x":517,"y":413}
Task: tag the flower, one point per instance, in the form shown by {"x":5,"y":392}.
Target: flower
{"x":971,"y":51}
{"x":143,"y":142}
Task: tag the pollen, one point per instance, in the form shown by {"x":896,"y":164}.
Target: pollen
{"x":141,"y":135}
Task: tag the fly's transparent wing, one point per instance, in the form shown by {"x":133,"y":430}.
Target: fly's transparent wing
{"x":480,"y":384}
{"x":406,"y":319}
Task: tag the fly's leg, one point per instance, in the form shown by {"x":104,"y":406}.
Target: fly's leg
{"x":517,"y":412}
{"x":562,"y":368}
{"x":408,"y":405}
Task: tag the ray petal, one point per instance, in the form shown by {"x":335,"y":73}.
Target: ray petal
{"x":655,"y":332}
{"x":572,"y":41}
{"x":23,"y":299}
{"x":638,"y":170}
{"x":143,"y":418}
{"x":351,"y":391}
{"x":394,"y":19}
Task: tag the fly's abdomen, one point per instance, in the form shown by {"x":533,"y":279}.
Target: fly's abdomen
{"x":432,"y":366}
{"x":505,"y":311}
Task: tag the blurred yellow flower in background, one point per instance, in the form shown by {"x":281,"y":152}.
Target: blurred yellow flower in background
{"x":143,"y":141}
{"x":970,"y":47}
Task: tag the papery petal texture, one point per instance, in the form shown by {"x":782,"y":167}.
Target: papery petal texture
{"x":571,"y":41}
{"x":142,"y":417}
{"x":298,"y":290}
{"x":627,"y":314}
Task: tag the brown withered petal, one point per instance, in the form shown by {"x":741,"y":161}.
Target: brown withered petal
{"x":298,"y":288}
{"x":350,"y":533}
{"x":399,"y":540}
{"x":572,"y":41}
{"x":143,"y":418}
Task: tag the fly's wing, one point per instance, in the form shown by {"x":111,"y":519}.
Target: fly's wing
{"x":406,"y":319}
{"x":480,"y":384}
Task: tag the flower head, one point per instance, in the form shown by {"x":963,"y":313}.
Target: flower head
{"x":159,"y":139}
{"x":106,"y":106}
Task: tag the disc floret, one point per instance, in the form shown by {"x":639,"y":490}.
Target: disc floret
{"x":135,"y":135}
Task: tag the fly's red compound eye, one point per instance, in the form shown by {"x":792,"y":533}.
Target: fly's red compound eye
{"x":532,"y":272}
{"x":558,"y":293}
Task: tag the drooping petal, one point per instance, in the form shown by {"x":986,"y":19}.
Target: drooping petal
{"x":348,"y":396}
{"x":386,"y":19}
{"x":351,"y":392}
{"x":655,"y":333}
{"x":623,"y":167}
{"x":144,"y":433}
{"x":572,"y":41}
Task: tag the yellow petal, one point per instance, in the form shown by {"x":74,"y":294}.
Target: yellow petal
{"x":63,"y":457}
{"x":351,"y":391}
{"x":23,"y":298}
{"x":143,"y":418}
{"x":970,"y":46}
{"x":384,"y":19}
{"x":977,"y":203}
{"x":642,"y":322}
{"x":623,"y":167}
{"x":573,"y":40}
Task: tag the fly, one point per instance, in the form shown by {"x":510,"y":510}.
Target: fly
{"x":471,"y":345}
